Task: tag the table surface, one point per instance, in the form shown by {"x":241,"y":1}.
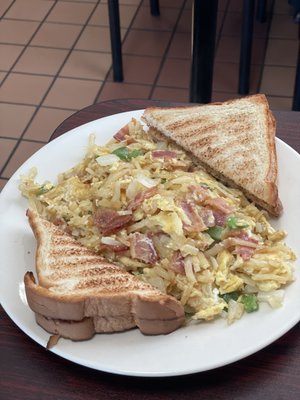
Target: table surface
{"x":28,"y":371}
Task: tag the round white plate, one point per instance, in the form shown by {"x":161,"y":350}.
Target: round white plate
{"x":190,"y":349}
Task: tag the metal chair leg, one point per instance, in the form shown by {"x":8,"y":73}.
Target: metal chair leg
{"x":204,"y":37}
{"x":246,"y":47}
{"x":154,"y":7}
{"x":261,"y":11}
{"x":115,"y":38}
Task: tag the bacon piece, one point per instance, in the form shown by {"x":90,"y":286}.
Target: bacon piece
{"x":200,"y":193}
{"x":116,"y":248}
{"x":219,"y":204}
{"x":140,"y":197}
{"x":142,"y":248}
{"x":109,"y":221}
{"x":177,"y":263}
{"x":196,"y":223}
{"x":245,"y":252}
{"x":120,"y":135}
{"x":163,"y":154}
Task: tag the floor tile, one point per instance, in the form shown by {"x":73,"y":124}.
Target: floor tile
{"x":16,"y":32}
{"x":175,"y":73}
{"x":100,"y":15}
{"x":23,"y":152}
{"x":282,"y":52}
{"x":76,"y":13}
{"x":84,"y":64}
{"x":150,"y":43}
{"x":58,"y":35}
{"x":7,"y":146}
{"x":225,"y":77}
{"x":164,"y":22}
{"x":170,"y":94}
{"x":8,"y":55}
{"x":283,"y":7}
{"x":34,"y":10}
{"x":278,"y":81}
{"x":24,"y":88}
{"x":116,"y":90}
{"x":45,"y":122}
{"x":94,"y":38}
{"x":139,"y":70}
{"x":4,"y":6}
{"x":14,"y":119}
{"x":72,"y":93}
{"x":280,"y":103}
{"x":2,"y":76}
{"x":223,"y":96}
{"x":229,"y":50}
{"x":235,"y":5}
{"x":181,"y":46}
{"x":283,"y":27}
{"x":233,"y":25}
{"x":39,"y":60}
{"x":185,"y":21}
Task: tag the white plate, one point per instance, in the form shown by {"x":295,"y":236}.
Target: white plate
{"x":189,"y":349}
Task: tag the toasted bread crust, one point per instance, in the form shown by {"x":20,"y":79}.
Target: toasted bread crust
{"x":234,"y":141}
{"x":84,"y":286}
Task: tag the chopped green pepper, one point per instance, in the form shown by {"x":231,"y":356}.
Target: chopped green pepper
{"x":234,"y":223}
{"x":230,"y":296}
{"x":124,"y":154}
{"x":163,"y":180}
{"x":250,"y":302}
{"x":44,"y":189}
{"x":215,"y":232}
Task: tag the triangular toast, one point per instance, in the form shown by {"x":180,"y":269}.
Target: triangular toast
{"x":233,"y":140}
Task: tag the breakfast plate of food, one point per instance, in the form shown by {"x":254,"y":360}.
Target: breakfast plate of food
{"x":156,"y":242}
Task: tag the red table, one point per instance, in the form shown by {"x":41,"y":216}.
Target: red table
{"x":28,"y":371}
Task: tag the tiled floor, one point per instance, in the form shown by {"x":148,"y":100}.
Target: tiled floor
{"x":55,"y":59}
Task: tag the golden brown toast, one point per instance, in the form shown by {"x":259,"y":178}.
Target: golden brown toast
{"x":233,"y":140}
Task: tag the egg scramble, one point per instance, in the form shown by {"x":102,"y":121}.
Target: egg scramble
{"x":143,"y":203}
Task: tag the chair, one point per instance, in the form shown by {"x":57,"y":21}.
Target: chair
{"x":115,"y":35}
{"x":203,"y":44}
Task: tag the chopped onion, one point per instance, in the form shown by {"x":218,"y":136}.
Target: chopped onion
{"x":145,"y":181}
{"x":110,"y":241}
{"x":107,"y":159}
{"x":235,"y":311}
{"x":132,"y":189}
{"x":273,"y":298}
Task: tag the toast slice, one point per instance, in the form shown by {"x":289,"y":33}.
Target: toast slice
{"x":233,"y":140}
{"x":79,"y":293}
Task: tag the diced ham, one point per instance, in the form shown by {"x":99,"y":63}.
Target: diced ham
{"x":116,"y":248}
{"x":208,"y":217}
{"x":142,"y":248}
{"x":110,"y":221}
{"x":200,"y":193}
{"x":164,"y":154}
{"x":220,"y":218}
{"x":196,"y":223}
{"x":140,"y":197}
{"x":219,"y":204}
{"x":121,"y":134}
{"x":245,"y":252}
{"x":177,"y":263}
